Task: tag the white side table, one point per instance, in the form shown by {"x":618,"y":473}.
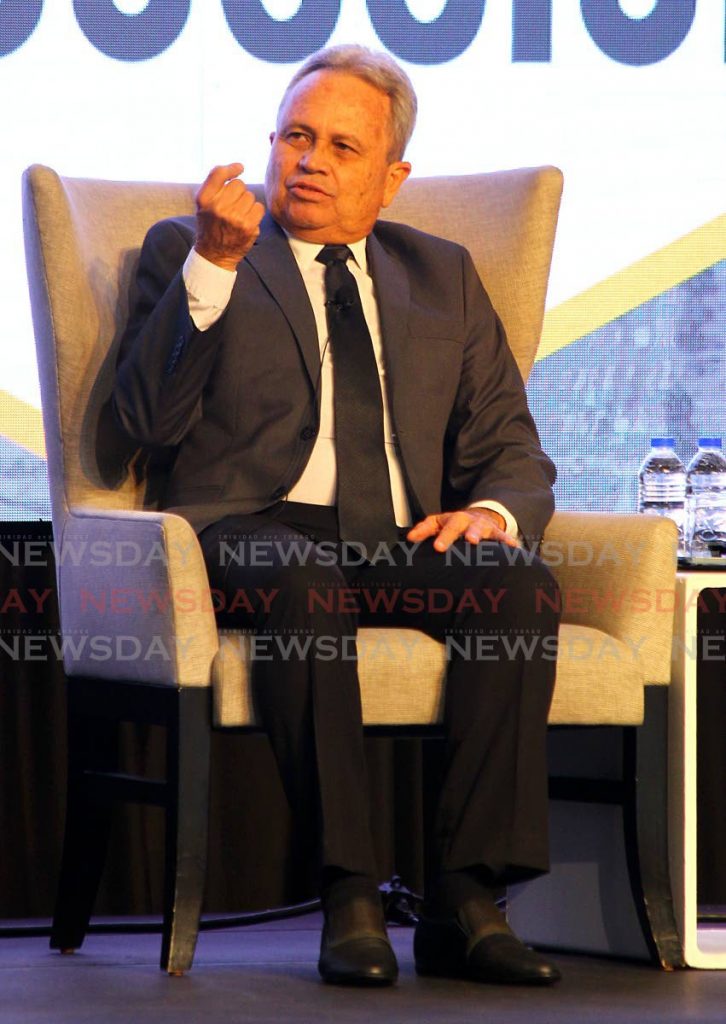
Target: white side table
{"x":703,"y":945}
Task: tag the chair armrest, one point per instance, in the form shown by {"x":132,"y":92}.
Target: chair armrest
{"x":617,"y":574}
{"x":134,"y":598}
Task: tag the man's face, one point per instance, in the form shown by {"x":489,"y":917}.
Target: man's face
{"x":329,"y":171}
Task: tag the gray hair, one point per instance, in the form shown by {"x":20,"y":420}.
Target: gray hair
{"x":379,"y":70}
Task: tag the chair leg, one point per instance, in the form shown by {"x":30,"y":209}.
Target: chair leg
{"x":187,"y":810}
{"x":645,"y":813}
{"x":92,"y":747}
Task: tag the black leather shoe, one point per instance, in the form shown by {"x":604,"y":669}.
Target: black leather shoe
{"x":354,"y":948}
{"x":454,"y":948}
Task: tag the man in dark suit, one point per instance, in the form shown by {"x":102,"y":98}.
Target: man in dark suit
{"x":323,"y":378}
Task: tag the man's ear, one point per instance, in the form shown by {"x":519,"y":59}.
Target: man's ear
{"x":395,"y":177}
{"x":272,"y":137}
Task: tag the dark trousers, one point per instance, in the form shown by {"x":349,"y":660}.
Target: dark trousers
{"x":499,"y":625}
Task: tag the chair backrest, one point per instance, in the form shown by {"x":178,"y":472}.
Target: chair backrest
{"x":83,"y":238}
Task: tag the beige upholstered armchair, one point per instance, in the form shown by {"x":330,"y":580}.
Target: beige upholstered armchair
{"x":170,"y":665}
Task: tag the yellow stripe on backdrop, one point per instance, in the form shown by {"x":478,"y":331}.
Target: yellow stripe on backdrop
{"x":631,"y":287}
{"x":566,"y":323}
{"x":21,"y":422}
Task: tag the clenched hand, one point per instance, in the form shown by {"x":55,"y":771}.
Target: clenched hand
{"x":228,"y":217}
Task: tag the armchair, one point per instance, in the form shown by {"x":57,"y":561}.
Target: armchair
{"x":167,"y":662}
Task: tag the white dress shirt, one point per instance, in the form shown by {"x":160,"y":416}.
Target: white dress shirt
{"x":209,"y":288}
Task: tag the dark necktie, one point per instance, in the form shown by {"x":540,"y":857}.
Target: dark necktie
{"x":365,"y":506}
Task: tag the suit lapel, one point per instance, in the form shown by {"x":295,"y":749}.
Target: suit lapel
{"x":273,"y":262}
{"x":393,"y":296}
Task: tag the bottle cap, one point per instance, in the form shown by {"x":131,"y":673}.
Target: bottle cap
{"x":709,"y":442}
{"x":663,"y":442}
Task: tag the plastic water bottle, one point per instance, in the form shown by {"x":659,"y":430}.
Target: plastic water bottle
{"x":706,"y":500}
{"x":662,"y":485}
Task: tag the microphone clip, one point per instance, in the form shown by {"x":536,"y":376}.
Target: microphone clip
{"x":342,"y":300}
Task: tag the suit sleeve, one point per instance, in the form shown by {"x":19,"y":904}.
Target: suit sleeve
{"x":494,"y":450}
{"x":164,"y":361}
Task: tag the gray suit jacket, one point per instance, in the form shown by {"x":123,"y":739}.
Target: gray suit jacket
{"x":236,"y":406}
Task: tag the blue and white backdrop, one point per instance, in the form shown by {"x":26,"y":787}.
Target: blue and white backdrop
{"x":626,"y":96}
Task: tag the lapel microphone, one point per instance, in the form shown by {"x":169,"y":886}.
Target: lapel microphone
{"x":344,"y":298}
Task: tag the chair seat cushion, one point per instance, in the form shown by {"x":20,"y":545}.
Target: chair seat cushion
{"x":402,"y":675}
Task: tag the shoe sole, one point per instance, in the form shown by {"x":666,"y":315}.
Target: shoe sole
{"x":360,"y":982}
{"x":463,"y":974}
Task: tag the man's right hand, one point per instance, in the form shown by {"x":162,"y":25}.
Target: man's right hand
{"x":228,"y":217}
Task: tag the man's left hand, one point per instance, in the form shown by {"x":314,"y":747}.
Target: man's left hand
{"x":474,"y":524}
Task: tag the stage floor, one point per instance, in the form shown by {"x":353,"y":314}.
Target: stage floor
{"x":268,"y":973}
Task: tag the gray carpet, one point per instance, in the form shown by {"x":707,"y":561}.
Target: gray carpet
{"x":267,"y":973}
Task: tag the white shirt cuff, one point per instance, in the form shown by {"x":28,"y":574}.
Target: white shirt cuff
{"x":510,"y":523}
{"x":208,"y":289}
